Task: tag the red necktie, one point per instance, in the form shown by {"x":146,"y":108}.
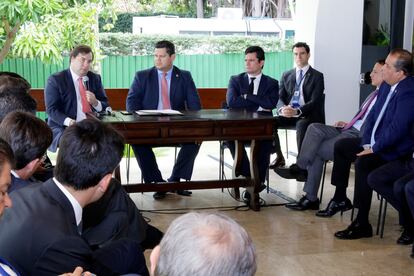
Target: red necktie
{"x":164,"y":92}
{"x":86,"y":108}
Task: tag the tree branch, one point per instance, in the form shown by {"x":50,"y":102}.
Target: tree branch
{"x":10,"y":36}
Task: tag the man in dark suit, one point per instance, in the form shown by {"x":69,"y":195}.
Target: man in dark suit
{"x":253,"y":91}
{"x":29,"y":138}
{"x":318,"y":147}
{"x":409,"y":199}
{"x":72,"y":94}
{"x":387,"y":135}
{"x":52,"y":212}
{"x":301,"y":99}
{"x":164,"y":86}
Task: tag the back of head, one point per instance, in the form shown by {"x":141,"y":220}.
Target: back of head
{"x":28,"y":136}
{"x":13,"y":80}
{"x":88,"y":151}
{"x":168,"y":45}
{"x":14,"y":99}
{"x":404,"y":61}
{"x":205,"y":245}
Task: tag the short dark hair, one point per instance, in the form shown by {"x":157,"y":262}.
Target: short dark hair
{"x":404,"y":61}
{"x":88,"y":150}
{"x":6,"y":154}
{"x":81,"y":49}
{"x":28,"y":136}
{"x":168,"y":45}
{"x":381,"y":61}
{"x":300,"y":45}
{"x":13,"y":80}
{"x":260,"y":54}
{"x":16,"y":99}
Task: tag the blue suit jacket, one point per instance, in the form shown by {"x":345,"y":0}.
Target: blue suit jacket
{"x":18,"y":183}
{"x":393,"y":135}
{"x":60,"y":100}
{"x":313,"y":93}
{"x":144,"y":90}
{"x":267,"y":93}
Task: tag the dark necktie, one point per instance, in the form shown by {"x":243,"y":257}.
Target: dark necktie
{"x":251,"y":86}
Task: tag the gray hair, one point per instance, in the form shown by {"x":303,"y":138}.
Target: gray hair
{"x":205,"y":244}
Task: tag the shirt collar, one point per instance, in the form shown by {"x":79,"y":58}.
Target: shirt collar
{"x":14,"y":173}
{"x":75,"y":76}
{"x":304,"y":69}
{"x":75,"y":204}
{"x":168,"y":73}
{"x":257,"y":77}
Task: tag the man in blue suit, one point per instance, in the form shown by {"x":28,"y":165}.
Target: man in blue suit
{"x":164,"y":86}
{"x":72,"y":94}
{"x":387,"y":135}
{"x":253,"y":91}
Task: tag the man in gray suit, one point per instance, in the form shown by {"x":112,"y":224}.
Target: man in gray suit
{"x":318,"y":147}
{"x":301,"y":99}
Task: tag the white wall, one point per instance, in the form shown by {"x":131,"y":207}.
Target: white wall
{"x":409,"y":25}
{"x":333,"y":29}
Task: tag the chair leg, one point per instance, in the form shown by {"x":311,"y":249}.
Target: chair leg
{"x":287,"y":144}
{"x":128,"y":162}
{"x":383,"y":219}
{"x":323,"y":181}
{"x":379,"y":215}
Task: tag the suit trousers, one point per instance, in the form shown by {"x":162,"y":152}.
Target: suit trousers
{"x":318,"y":147}
{"x":183,"y":168}
{"x":408,"y":181}
{"x":364,"y":165}
{"x":265,"y":148}
{"x":300,"y":124}
{"x":345,"y":151}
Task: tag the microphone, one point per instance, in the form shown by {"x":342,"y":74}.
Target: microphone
{"x":85,"y":80}
{"x":108,"y":111}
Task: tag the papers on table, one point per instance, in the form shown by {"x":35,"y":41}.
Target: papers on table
{"x":155,"y":112}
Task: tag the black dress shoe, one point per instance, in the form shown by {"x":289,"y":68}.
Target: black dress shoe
{"x":293,"y":172}
{"x":405,"y":239}
{"x":278,"y":162}
{"x":303,"y":204}
{"x":159,"y":195}
{"x":355,"y":231}
{"x":184,"y":192}
{"x":335,"y":207}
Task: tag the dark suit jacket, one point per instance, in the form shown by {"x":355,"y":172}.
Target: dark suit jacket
{"x":267,"y":93}
{"x":60,"y":100}
{"x":393,"y":135}
{"x":144,"y":91}
{"x":18,"y":183}
{"x":39,"y":236}
{"x":313,"y":93}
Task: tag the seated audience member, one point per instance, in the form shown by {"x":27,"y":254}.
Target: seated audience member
{"x":318,"y":147}
{"x":29,"y":138}
{"x":52,"y":212}
{"x":12,"y":99}
{"x":13,"y":80}
{"x":164,"y":86}
{"x":6,"y":163}
{"x":74,"y":93}
{"x":409,"y":199}
{"x":389,"y":181}
{"x":205,"y":245}
{"x":253,"y":91}
{"x":300,"y":99}
{"x":387,"y":135}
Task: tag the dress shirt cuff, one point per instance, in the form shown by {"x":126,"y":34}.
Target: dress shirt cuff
{"x":366,"y":146}
{"x":299,"y":112}
{"x":98,"y":107}
{"x":67,"y":121}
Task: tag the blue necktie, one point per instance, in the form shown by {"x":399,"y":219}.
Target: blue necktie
{"x":384,"y":107}
{"x":296,"y":94}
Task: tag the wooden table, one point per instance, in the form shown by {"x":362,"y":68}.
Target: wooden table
{"x":199,"y":126}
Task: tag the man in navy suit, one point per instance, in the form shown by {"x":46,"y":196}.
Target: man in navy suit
{"x":164,"y":86}
{"x":301,"y":99}
{"x":253,"y":91}
{"x":29,"y":138}
{"x":72,"y":94}
{"x":387,"y":135}
{"x":53,"y":211}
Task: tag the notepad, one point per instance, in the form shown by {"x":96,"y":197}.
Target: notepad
{"x":155,"y":112}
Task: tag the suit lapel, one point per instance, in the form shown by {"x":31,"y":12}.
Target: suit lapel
{"x":154,"y":93}
{"x":262,"y":84}
{"x":306,"y":83}
{"x":175,"y":76}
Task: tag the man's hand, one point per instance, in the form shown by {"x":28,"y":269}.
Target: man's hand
{"x":288,"y":111}
{"x":77,"y":272}
{"x":90,"y":97}
{"x":340,"y":124}
{"x":365,"y":152}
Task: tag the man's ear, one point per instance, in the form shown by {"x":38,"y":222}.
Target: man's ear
{"x":155,"y":254}
{"x":104,"y":183}
{"x":34,"y":164}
